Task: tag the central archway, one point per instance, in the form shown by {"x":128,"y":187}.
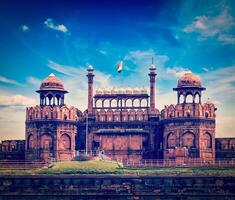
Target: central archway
{"x":188,"y":139}
{"x":65,"y":142}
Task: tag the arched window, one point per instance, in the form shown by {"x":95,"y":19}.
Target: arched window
{"x":114,"y":103}
{"x":106,"y":103}
{"x":46,"y":142}
{"x":181,"y":98}
{"x":65,"y":117}
{"x":30,"y":144}
{"x":171,"y":140}
{"x":49,"y":99}
{"x":208,"y":140}
{"x":65,"y":142}
{"x":144,"y":103}
{"x":189,"y":98}
{"x":128,"y":103}
{"x":196,"y":98}
{"x":122,"y":103}
{"x":188,"y":140}
{"x":98,"y":103}
{"x":136,"y":103}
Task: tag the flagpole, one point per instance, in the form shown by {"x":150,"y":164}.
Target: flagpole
{"x":86,"y":133}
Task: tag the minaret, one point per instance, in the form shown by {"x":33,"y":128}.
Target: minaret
{"x":90,"y":76}
{"x":152,"y":74}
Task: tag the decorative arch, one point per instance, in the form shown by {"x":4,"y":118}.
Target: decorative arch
{"x":132,"y":115}
{"x":124,"y":115}
{"x":109,"y":115}
{"x":102,"y":115}
{"x":197,"y":98}
{"x":189,"y":98}
{"x":106,"y":103}
{"x":171,"y":140}
{"x":208,"y":140}
{"x":46,"y":142}
{"x":50,"y":96}
{"x":139,"y":114}
{"x":58,"y":99}
{"x":113,"y":103}
{"x":181,"y":98}
{"x":65,"y":112}
{"x":136,"y":103}
{"x":37,"y":112}
{"x":47,"y":112}
{"x":30,"y":142}
{"x":188,"y":139}
{"x":144,"y":103}
{"x":128,"y":103}
{"x":122,"y":103}
{"x":65,"y":142}
{"x":98,"y":103}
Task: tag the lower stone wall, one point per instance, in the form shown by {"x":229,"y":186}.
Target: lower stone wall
{"x":103,"y":185}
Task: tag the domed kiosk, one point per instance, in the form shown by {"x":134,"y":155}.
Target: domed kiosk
{"x":51,"y":91}
{"x":189,"y":85}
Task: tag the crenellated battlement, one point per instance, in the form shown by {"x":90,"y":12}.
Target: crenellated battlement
{"x":206,"y":110}
{"x":53,"y":112}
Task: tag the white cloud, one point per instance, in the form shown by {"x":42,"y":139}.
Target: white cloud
{"x":67,"y":70}
{"x":222,"y":79}
{"x":49,"y":23}
{"x":3,"y":79}
{"x":12,"y":114}
{"x":103,"y":52}
{"x":177,"y":71}
{"x":145,"y":57}
{"x":24,"y":28}
{"x":139,"y":76}
{"x":205,"y":69}
{"x":75,"y":81}
{"x":12,"y":124}
{"x":213,"y":26}
{"x":34,"y":81}
{"x":142,"y":60}
{"x":16,"y":100}
{"x":226,"y":39}
{"x":220,"y":87}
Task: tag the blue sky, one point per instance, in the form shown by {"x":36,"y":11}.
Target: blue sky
{"x":42,"y":37}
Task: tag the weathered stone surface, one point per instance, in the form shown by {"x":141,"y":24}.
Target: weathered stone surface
{"x":127,"y":185}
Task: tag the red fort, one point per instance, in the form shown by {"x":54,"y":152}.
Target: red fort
{"x":124,"y":123}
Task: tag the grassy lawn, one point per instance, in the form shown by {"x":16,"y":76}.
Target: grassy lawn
{"x":82,"y":167}
{"x":103,"y":167}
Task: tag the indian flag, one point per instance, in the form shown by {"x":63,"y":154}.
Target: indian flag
{"x":119,"y":67}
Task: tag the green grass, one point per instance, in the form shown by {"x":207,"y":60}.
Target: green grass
{"x":104,"y":167}
{"x":82,"y":167}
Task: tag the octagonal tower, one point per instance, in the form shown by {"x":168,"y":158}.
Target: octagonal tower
{"x":51,"y":125}
{"x":189,"y":126}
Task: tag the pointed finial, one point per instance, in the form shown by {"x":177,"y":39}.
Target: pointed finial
{"x":152,"y":66}
{"x":52,"y":74}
